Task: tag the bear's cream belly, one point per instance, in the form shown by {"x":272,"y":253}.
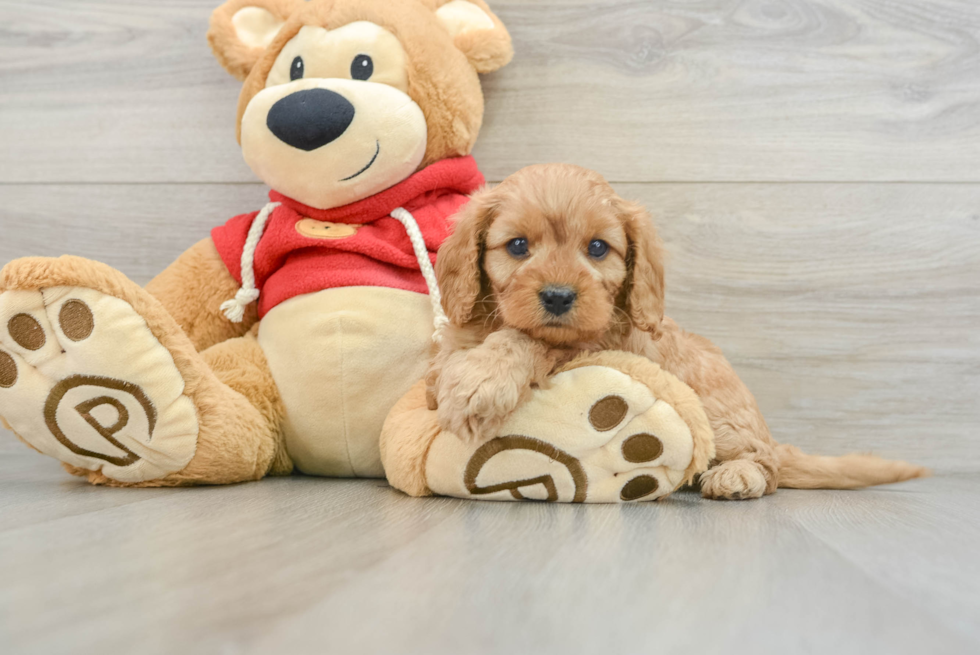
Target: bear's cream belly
{"x":342,"y":358}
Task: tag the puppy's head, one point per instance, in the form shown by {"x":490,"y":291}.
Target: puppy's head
{"x":554,"y":252}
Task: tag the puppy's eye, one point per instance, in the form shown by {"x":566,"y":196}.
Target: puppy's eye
{"x":362,"y":68}
{"x":517,"y":247}
{"x":296,"y":69}
{"x":598,"y":249}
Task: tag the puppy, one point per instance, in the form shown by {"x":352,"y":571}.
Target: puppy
{"x":552,"y":263}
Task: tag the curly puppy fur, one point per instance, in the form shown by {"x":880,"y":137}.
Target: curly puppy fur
{"x":503,"y":342}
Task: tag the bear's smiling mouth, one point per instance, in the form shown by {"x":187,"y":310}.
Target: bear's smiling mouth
{"x":377,"y":152}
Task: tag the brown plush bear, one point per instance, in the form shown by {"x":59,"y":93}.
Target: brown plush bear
{"x":283,"y":340}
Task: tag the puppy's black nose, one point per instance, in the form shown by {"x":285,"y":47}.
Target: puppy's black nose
{"x":557,"y":300}
{"x":310,"y":119}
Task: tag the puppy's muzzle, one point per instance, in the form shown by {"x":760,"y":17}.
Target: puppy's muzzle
{"x":310,"y":119}
{"x":557,"y":300}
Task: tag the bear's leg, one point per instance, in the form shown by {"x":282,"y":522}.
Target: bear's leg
{"x":610,"y":427}
{"x":95,"y":373}
{"x":242,"y":366}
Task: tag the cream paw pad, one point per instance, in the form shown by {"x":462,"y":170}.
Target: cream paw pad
{"x":611,"y":427}
{"x":83,"y":379}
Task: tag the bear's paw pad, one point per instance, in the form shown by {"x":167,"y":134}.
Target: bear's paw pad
{"x":84,"y":380}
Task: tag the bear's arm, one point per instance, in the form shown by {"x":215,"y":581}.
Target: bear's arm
{"x":192,"y":290}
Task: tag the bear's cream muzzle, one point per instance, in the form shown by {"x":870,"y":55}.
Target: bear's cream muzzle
{"x":330,"y":142}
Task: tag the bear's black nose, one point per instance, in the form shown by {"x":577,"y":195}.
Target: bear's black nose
{"x":310,"y":119}
{"x":557,"y":300}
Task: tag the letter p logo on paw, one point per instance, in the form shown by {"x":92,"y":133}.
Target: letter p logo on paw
{"x":107,"y":415}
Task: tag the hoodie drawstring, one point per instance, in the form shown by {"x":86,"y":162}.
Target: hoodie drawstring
{"x":234,"y":309}
{"x":440,"y":321}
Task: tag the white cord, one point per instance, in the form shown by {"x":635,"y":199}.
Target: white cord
{"x":234,"y":309}
{"x":425,"y":264}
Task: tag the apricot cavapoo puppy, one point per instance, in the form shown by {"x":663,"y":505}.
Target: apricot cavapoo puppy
{"x":552,"y":263}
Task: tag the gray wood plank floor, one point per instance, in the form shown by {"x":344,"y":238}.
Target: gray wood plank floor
{"x":308,"y":565}
{"x":814,"y":168}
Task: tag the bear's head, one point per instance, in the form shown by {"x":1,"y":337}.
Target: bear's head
{"x":346,"y":98}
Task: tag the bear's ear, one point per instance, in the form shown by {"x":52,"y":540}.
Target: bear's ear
{"x":478,"y":33}
{"x":241,"y":30}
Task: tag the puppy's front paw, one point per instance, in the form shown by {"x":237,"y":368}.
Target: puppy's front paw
{"x":477,"y":402}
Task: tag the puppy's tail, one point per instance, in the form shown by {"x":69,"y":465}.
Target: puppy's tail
{"x":797,"y":470}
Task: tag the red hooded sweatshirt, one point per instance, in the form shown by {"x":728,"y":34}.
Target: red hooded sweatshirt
{"x":304,"y":250}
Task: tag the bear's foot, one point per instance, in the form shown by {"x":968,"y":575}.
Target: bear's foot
{"x":610,"y":428}
{"x":83,"y":377}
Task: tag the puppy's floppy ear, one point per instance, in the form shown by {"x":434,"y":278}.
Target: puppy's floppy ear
{"x":241,"y":30}
{"x":459,"y":265}
{"x":644,"y":286}
{"x":477,"y":32}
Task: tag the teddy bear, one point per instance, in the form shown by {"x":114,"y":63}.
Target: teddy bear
{"x":281,"y":342}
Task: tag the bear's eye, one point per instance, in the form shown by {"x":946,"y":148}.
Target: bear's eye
{"x":517,"y":248}
{"x":598,"y":249}
{"x":362,"y":68}
{"x":296,"y":70}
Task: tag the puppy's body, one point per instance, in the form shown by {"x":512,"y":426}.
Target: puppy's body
{"x":552,"y":263}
